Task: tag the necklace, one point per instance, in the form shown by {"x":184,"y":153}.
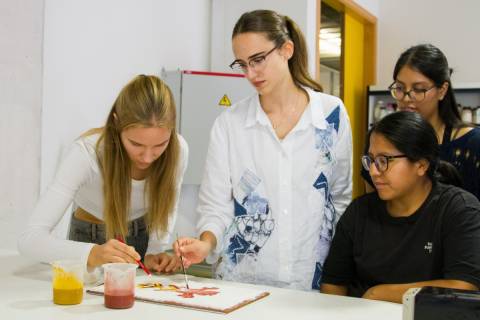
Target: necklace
{"x":276,"y":125}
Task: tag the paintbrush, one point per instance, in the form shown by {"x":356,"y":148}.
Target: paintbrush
{"x":183,"y":266}
{"x":138,"y":261}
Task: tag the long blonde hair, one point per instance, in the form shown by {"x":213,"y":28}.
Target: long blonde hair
{"x":279,"y":29}
{"x":144,"y":102}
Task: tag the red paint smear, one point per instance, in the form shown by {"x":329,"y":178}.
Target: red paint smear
{"x":190,"y":293}
{"x":184,"y":293}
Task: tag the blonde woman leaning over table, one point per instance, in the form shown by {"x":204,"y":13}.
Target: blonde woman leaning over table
{"x":123,"y":180}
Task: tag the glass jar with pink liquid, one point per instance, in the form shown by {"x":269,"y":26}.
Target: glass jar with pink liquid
{"x":119,"y":285}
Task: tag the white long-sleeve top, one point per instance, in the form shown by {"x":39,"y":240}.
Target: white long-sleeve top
{"x":273,"y":204}
{"x":78,"y":180}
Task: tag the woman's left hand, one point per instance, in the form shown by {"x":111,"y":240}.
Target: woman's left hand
{"x":372,"y":293}
{"x":385,"y":292}
{"x":162,"y":262}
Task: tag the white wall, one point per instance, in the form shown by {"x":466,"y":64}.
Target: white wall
{"x":93,"y":48}
{"x":81,"y":52}
{"x":225,"y":14}
{"x":372,"y":6}
{"x":21,"y":26}
{"x":453,"y":26}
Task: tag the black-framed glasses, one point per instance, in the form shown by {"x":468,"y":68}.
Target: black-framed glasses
{"x":256,"y":63}
{"x":415,"y":94}
{"x":381,"y":161}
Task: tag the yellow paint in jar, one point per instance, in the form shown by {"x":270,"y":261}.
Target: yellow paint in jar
{"x":67,"y":286}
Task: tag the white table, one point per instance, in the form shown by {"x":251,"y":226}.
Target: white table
{"x":26,"y":293}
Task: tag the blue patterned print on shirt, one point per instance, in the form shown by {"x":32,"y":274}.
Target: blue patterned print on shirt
{"x":317,"y":276}
{"x":334,"y":118}
{"x":328,"y":223}
{"x":252,"y":227}
{"x":326,"y":229}
{"x":324,"y":137}
{"x":324,"y":141}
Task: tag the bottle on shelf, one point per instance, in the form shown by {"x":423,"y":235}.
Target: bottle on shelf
{"x":467,"y":114}
{"x":378,"y":111}
{"x":379,"y":98}
{"x":476,"y":116}
{"x":391,"y":107}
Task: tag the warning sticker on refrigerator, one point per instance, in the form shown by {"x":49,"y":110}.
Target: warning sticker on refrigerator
{"x":225,"y":101}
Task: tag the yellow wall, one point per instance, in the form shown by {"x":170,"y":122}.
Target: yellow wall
{"x":354,"y":91}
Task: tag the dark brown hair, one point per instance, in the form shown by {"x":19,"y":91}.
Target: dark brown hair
{"x":279,"y":29}
{"x":415,"y":137}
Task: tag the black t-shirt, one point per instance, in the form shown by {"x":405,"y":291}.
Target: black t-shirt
{"x":441,"y":240}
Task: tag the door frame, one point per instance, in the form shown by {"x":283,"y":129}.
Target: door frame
{"x":369,"y":23}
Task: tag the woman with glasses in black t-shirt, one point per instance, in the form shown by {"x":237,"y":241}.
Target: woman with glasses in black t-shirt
{"x":414,"y":231}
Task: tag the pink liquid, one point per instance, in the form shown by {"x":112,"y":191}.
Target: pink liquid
{"x":119,"y":301}
{"x":119,"y":289}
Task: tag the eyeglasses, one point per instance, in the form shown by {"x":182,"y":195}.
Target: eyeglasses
{"x":415,"y":94}
{"x":381,"y":161}
{"x":256,"y":63}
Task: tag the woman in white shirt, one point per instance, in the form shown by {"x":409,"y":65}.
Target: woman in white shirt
{"x":278,"y":168}
{"x":123,"y":180}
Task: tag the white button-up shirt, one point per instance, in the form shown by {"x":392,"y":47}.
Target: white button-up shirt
{"x":273,"y":204}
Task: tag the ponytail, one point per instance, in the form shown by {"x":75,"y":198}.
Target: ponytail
{"x":298,"y":63}
{"x":446,"y":173}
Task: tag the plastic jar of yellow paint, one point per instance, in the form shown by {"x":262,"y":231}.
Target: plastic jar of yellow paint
{"x":67,"y":282}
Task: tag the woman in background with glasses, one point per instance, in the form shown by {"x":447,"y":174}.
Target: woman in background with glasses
{"x":422,"y":84}
{"x":414,"y":231}
{"x":278,"y":168}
